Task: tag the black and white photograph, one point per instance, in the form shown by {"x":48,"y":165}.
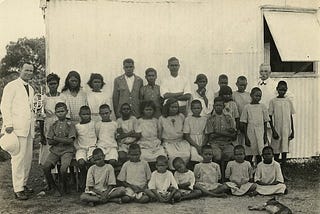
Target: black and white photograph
{"x":159,"y":106}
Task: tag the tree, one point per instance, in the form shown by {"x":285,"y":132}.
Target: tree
{"x":26,"y":50}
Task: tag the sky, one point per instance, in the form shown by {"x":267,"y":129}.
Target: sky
{"x":19,"y":18}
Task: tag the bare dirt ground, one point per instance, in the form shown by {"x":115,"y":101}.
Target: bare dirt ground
{"x":303,"y":196}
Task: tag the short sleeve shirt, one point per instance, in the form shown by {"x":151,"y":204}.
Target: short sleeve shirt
{"x":219,"y":123}
{"x":62,"y":129}
{"x":162,"y":181}
{"x":176,"y":85}
{"x":135,"y":173}
{"x":100,"y":177}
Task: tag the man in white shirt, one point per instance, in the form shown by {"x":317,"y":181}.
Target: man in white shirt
{"x":18,"y":117}
{"x":176,"y":86}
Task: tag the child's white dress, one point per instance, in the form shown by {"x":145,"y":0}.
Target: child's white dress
{"x":95,"y":100}
{"x":255,"y":115}
{"x":195,"y":126}
{"x":162,"y":181}
{"x":241,"y":99}
{"x":281,"y":110}
{"x":207,"y":175}
{"x":106,"y":132}
{"x":86,"y":140}
{"x":172,"y":135}
{"x":149,"y":142}
{"x":239,"y":173}
{"x":183,"y":178}
{"x":269,"y":173}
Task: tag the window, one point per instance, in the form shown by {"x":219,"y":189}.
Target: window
{"x":291,"y":42}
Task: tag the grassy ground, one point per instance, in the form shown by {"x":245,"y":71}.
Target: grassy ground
{"x":303,"y":197}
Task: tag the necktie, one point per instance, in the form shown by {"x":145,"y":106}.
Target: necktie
{"x":263,"y":83}
{"x":27,"y":89}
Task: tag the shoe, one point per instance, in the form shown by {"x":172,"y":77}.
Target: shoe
{"x":21,"y":196}
{"x":28,"y":190}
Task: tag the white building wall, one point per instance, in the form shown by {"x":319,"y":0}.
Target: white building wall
{"x":208,"y":36}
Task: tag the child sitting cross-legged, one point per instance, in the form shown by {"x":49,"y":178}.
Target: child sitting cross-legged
{"x":268,"y":176}
{"x":185,"y":179}
{"x":134,"y":176}
{"x":101,"y":182}
{"x":240,"y":173}
{"x":208,"y":174}
{"x":162,"y":186}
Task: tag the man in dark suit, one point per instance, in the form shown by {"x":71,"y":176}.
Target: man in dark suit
{"x":126,"y":89}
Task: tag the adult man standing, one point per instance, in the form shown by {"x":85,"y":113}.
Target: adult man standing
{"x":176,"y":86}
{"x":126,"y":89}
{"x":16,"y":109}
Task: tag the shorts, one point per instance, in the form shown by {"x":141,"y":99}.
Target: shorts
{"x":65,"y":159}
{"x":222,"y":150}
{"x":132,"y":194}
{"x":84,"y":154}
{"x":110,"y":153}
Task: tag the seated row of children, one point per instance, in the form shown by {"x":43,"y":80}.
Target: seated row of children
{"x":137,"y":183}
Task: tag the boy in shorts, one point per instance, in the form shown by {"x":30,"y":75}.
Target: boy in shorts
{"x":61,"y":136}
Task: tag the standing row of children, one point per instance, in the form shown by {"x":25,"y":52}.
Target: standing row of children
{"x":171,"y":135}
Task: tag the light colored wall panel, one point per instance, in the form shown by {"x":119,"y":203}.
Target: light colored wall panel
{"x":209,"y":36}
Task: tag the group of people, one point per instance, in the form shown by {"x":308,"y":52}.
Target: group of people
{"x":209,"y":140}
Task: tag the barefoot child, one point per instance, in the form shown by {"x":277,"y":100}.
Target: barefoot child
{"x":151,"y":91}
{"x":126,"y":132}
{"x":281,"y":122}
{"x":101,"y":182}
{"x":193,"y":131}
{"x":186,"y":180}
{"x":60,"y":137}
{"x":148,"y":126}
{"x":268,"y":175}
{"x":240,"y":173}
{"x":254,"y":118}
{"x":134,"y":176}
{"x":86,"y":142}
{"x":106,"y":132}
{"x":208,"y":174}
{"x":241,"y":97}
{"x":162,"y":186}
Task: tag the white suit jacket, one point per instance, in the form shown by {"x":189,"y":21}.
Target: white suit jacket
{"x":16,"y":108}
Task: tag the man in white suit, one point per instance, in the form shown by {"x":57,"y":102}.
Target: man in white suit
{"x":16,"y":109}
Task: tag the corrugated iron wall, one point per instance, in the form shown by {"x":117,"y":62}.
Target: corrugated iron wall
{"x":210,"y":37}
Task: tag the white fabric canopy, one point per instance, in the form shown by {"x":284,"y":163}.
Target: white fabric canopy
{"x":296,"y":35}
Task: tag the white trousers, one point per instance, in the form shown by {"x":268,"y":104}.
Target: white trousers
{"x":21,"y":163}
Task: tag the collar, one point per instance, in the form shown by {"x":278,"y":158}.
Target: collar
{"x":22,"y":81}
{"x":264,"y":82}
{"x":126,"y":77}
